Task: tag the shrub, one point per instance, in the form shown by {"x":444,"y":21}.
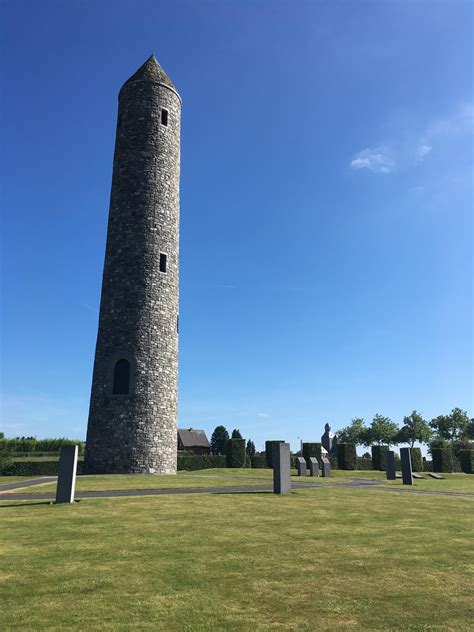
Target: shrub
{"x":416,"y":460}
{"x":36,"y":468}
{"x":236,"y":454}
{"x":346,"y":456}
{"x":466,"y":458}
{"x":378,"y":457}
{"x":31,"y":444}
{"x":333,"y":463}
{"x":258,"y":461}
{"x":442,"y":459}
{"x":364,"y":463}
{"x":311,"y":449}
{"x":269,"y":451}
{"x":201,"y":461}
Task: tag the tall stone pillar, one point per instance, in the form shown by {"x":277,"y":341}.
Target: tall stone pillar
{"x":133,"y":409}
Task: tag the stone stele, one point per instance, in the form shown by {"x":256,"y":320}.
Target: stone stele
{"x":405,"y":458}
{"x":390,"y":465}
{"x":301,"y":466}
{"x":281,"y":468}
{"x":313,"y":466}
{"x":67,"y":474}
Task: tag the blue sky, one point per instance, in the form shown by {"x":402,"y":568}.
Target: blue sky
{"x":326,"y":207}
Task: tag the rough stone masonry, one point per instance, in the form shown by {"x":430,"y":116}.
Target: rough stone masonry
{"x":133,"y":409}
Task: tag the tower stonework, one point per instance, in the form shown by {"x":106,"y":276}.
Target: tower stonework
{"x":133,"y":409}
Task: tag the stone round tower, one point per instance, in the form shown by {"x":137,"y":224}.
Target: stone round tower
{"x":133,"y":409}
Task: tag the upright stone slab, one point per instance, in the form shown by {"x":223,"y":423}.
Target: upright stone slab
{"x":281,"y":468}
{"x":405,"y":458}
{"x":301,"y":466}
{"x":67,"y":474}
{"x":390,"y":465}
{"x":326,"y":467}
{"x":313,"y":466}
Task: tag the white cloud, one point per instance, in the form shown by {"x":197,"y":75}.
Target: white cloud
{"x":375,"y":159}
{"x":263,"y":415}
{"x":411,"y":149}
{"x":423,"y":150}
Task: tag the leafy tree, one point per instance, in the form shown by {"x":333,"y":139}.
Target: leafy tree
{"x":219,"y":439}
{"x":2,"y":435}
{"x":382,"y":431}
{"x":354,"y":433}
{"x":414,"y":429}
{"x":236,"y":434}
{"x":470,"y":429}
{"x":453,"y":426}
{"x":250,"y":449}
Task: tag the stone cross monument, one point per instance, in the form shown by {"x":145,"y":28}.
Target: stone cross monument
{"x":133,"y":409}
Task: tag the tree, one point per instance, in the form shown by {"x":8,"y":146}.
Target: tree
{"x":414,"y":429}
{"x":236,"y":434}
{"x":250,"y":449}
{"x":382,"y":431}
{"x":353,"y":433}
{"x":219,"y":439}
{"x":453,"y":426}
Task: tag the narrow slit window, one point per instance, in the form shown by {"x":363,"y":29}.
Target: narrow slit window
{"x":162,"y":262}
{"x":121,"y":377}
{"x":164,"y":117}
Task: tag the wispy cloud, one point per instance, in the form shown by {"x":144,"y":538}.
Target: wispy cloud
{"x":375,"y":159}
{"x":414,"y":148}
{"x":263,"y":415}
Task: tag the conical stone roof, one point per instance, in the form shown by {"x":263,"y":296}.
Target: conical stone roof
{"x":151,"y":71}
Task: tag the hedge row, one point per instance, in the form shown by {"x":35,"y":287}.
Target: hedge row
{"x":346,"y":456}
{"x":258,"y":461}
{"x":50,"y":468}
{"x":34,"y":468}
{"x":311,"y":449}
{"x":269,"y":451}
{"x":467,"y":460}
{"x":442,"y":459}
{"x":378,"y":457}
{"x":32,"y":445}
{"x":235,"y":453}
{"x":416,"y":460}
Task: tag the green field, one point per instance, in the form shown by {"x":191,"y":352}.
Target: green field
{"x":328,"y":558}
{"x":247,"y":477}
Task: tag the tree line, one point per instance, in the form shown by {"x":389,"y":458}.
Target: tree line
{"x":456,"y":429}
{"x":220,"y":437}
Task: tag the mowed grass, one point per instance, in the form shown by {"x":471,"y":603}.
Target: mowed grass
{"x":246,"y":477}
{"x":318,"y":559}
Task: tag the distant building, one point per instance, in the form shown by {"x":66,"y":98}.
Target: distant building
{"x":194,"y":441}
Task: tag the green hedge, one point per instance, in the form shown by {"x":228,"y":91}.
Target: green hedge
{"x":50,"y":468}
{"x":416,"y":460}
{"x":363,"y":463}
{"x":269,"y":451}
{"x":466,"y":458}
{"x":258,"y":461}
{"x":235,"y":453}
{"x":32,"y":445}
{"x":442,"y":459}
{"x":35,"y":468}
{"x":346,"y":456}
{"x":201,"y":461}
{"x":311,"y":449}
{"x":378,"y":457}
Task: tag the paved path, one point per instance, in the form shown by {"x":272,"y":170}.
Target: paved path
{"x":267,"y":487}
{"x":4,"y":487}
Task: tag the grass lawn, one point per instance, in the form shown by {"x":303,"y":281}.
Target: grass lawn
{"x":244,"y":477}
{"x":318,"y":559}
